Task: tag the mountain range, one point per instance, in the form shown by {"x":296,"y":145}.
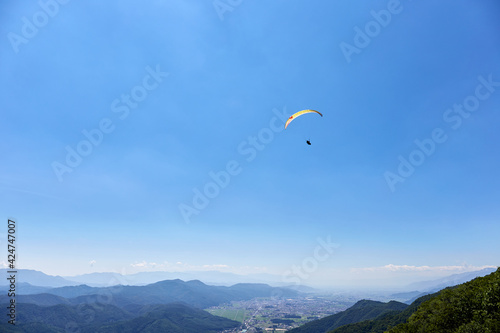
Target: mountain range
{"x":451,"y":280}
{"x":193,"y":293}
{"x":165,"y":306}
{"x":431,"y":286}
{"x":91,"y":318}
{"x":473,"y":306}
{"x":362,"y":310}
{"x":176,"y":306}
{"x":107,"y":279}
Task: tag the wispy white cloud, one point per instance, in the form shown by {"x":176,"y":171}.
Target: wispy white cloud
{"x":215,"y":267}
{"x":410,"y":268}
{"x":144,"y":266}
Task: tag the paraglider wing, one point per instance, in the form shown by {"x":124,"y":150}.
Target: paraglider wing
{"x":300,"y":113}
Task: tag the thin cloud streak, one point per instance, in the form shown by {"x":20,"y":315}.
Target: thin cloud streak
{"x":410,"y":268}
{"x":145,"y":266}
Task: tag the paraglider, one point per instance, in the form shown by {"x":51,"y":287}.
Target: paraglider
{"x":300,"y":113}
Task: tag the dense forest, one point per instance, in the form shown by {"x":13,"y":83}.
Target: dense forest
{"x":470,"y":307}
{"x":473,"y":306}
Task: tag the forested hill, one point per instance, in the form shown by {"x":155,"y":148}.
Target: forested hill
{"x":194,"y":293}
{"x":473,"y":306}
{"x":470,"y":307}
{"x":362,"y":310}
{"x":106,"y":318}
{"x":384,"y":321}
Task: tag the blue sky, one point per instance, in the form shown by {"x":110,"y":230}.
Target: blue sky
{"x":174,"y":91}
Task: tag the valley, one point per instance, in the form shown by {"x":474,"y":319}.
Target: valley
{"x":259,"y":314}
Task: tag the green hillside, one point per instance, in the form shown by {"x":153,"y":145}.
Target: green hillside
{"x":172,"y":318}
{"x":467,"y":308}
{"x":61,"y":317}
{"x":470,"y":307}
{"x":194,"y":293}
{"x":384,"y":321}
{"x":95,"y":318}
{"x":362,"y":310}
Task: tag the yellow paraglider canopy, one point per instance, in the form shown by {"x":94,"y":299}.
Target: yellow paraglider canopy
{"x":300,"y":113}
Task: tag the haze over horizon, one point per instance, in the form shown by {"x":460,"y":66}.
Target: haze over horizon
{"x":150,"y":137}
